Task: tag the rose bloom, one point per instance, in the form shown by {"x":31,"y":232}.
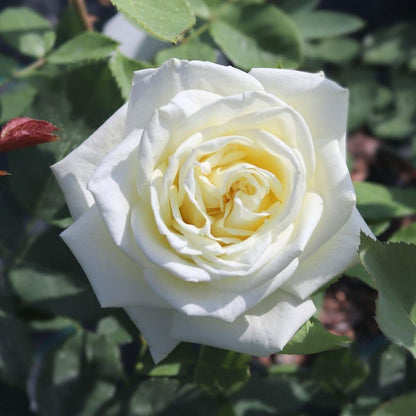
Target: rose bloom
{"x":214,"y":203}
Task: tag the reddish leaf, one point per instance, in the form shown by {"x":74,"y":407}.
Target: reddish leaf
{"x":4,"y":173}
{"x":24,"y":132}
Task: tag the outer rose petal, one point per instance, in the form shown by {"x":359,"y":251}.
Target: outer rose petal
{"x":321,"y":102}
{"x":263,"y":330}
{"x":155,"y":324}
{"x":116,"y":279}
{"x":74,"y":171}
{"x":157,"y":89}
{"x":335,"y":256}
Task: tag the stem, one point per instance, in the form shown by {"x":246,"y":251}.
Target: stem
{"x":86,"y":18}
{"x":203,"y":28}
{"x":33,"y":66}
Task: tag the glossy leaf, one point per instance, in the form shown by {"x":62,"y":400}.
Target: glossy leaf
{"x":297,"y":6}
{"x":393,"y":266}
{"x":334,"y":50}
{"x":406,"y":234}
{"x":377,"y":202}
{"x":400,"y":406}
{"x":390,"y":46}
{"x":339,"y":372}
{"x":16,"y":101}
{"x":324,"y":24}
{"x":33,"y":184}
{"x":27,"y":31}
{"x":165,"y":19}
{"x":220,"y":371}
{"x":86,"y":47}
{"x":312,"y":338}
{"x":194,"y":50}
{"x":257,"y":36}
{"x":122,"y":69}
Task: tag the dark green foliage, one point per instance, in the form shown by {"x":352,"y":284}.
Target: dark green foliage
{"x":61,"y":353}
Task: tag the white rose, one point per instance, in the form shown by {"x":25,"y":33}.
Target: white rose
{"x":214,"y":203}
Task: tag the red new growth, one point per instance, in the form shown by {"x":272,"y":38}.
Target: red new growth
{"x":24,"y":132}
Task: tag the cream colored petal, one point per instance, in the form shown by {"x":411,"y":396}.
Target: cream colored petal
{"x":117,"y":280}
{"x":322,"y":103}
{"x":152,"y":91}
{"x":263,"y":330}
{"x":335,"y":256}
{"x":202,"y":300}
{"x":155,"y":325}
{"x":75,"y":170}
{"x":113,"y":185}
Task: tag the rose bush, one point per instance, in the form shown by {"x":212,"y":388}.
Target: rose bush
{"x":214,"y":203}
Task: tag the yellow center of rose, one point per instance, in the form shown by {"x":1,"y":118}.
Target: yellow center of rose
{"x":237,"y":188}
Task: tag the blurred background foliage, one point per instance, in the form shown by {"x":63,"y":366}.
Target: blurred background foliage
{"x":61,"y":354}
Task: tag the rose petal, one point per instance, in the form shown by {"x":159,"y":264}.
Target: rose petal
{"x":321,"y":102}
{"x":155,"y":325}
{"x":319,"y":267}
{"x":332,"y":182}
{"x":157,"y":89}
{"x":228,"y":298}
{"x":263,"y":330}
{"x":116,"y":279}
{"x":74,"y":171}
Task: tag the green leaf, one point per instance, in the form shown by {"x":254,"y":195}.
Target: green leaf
{"x":214,"y":8}
{"x":257,"y":36}
{"x":67,"y":382}
{"x":122,"y":69}
{"x":392,"y":266}
{"x":393,"y":368}
{"x":324,"y":24}
{"x":379,"y":227}
{"x":400,"y":406}
{"x":35,"y":286}
{"x":99,"y":393}
{"x":104,"y":356}
{"x":280,"y":394}
{"x":56,"y":293}
{"x":69,"y":25}
{"x":339,"y":372}
{"x":406,"y":234}
{"x":335,"y":50}
{"x":165,"y":19}
{"x":15,"y":351}
{"x":88,"y":100}
{"x":220,"y":371}
{"x":376,"y":202}
{"x":358,"y":271}
{"x":57,"y":323}
{"x":33,"y":184}
{"x":67,"y":359}
{"x":312,"y":338}
{"x":194,"y":50}
{"x":26,"y":31}
{"x":390,"y":46}
{"x":153,"y":396}
{"x":7,"y":66}
{"x":16,"y":101}
{"x":177,"y":363}
{"x":111,"y":328}
{"x":86,"y":47}
{"x":297,"y":6}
